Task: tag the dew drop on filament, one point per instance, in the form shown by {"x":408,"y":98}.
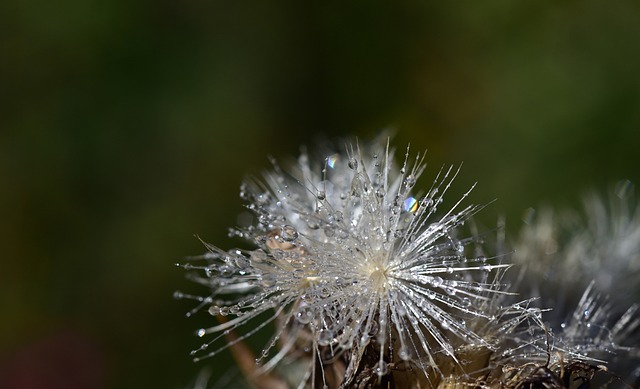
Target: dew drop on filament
{"x":403,"y":353}
{"x":383,"y":368}
{"x":289,"y":233}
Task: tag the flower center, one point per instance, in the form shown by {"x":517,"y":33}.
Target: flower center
{"x":378,"y":277}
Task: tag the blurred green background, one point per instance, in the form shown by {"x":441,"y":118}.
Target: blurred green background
{"x":127,"y":126}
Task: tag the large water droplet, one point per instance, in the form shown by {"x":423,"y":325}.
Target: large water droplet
{"x":374,"y":329}
{"x":211,"y":271}
{"x":225,"y":271}
{"x":324,"y":337}
{"x":329,"y":231}
{"x":410,"y":205}
{"x":289,"y":233}
{"x":353,"y":163}
{"x":331,"y":160}
{"x":410,"y":181}
{"x":241,"y":262}
{"x":304,"y":315}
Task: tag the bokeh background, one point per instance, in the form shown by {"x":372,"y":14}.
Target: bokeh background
{"x":126,"y":127}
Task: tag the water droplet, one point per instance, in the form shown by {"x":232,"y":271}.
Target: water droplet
{"x":343,"y":234}
{"x":225,"y":271}
{"x":465,"y":302}
{"x":312,"y":224}
{"x":410,"y":181}
{"x":331,"y":160}
{"x":380,"y":193}
{"x":263,"y":198}
{"x":242,"y":262}
{"x":374,"y":329}
{"x":404,"y":353}
{"x":383,"y":368}
{"x":201,"y":332}
{"x":329,"y":231}
{"x":445,"y":325}
{"x":214,"y":310}
{"x":210,"y":271}
{"x":353,"y":164}
{"x":258,"y":256}
{"x":436,"y":281}
{"x":321,"y":195}
{"x":410,"y":205}
{"x":304,"y":315}
{"x":324,"y":337}
{"x":486,"y":268}
{"x":324,"y":293}
{"x":289,"y":233}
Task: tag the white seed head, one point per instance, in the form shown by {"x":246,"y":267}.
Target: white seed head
{"x":365,"y":279}
{"x":347,"y":258}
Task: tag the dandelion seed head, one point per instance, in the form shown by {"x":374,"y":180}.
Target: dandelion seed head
{"x":347,"y":257}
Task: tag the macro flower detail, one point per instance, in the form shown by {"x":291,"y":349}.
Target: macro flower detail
{"x":364,"y":281}
{"x":350,"y":262}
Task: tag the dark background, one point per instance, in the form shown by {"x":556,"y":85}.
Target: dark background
{"x":127,"y":126}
